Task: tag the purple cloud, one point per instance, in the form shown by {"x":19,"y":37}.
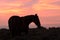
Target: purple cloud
{"x":56,"y":3}
{"x":28,"y":4}
{"x":8,"y":1}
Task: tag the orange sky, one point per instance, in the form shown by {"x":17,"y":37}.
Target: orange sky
{"x":47,"y":10}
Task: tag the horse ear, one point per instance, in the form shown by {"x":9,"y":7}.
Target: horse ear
{"x":35,"y":14}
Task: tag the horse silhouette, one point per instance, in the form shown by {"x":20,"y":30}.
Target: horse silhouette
{"x":21,"y":24}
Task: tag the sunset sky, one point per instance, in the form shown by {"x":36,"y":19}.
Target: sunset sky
{"x":47,"y":10}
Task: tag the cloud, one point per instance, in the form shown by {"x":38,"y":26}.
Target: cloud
{"x":7,"y":0}
{"x":30,"y":3}
{"x":56,"y":3}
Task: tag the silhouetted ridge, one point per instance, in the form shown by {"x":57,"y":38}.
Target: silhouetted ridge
{"x":33,"y":34}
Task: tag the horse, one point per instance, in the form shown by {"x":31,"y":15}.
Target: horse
{"x":21,"y":24}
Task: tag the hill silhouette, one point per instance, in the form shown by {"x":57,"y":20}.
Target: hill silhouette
{"x":33,"y":34}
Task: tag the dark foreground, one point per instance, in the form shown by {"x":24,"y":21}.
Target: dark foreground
{"x":34,"y":34}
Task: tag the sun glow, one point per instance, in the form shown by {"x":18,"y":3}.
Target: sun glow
{"x":44,"y":8}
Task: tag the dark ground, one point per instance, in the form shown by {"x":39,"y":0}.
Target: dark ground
{"x":33,"y":34}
